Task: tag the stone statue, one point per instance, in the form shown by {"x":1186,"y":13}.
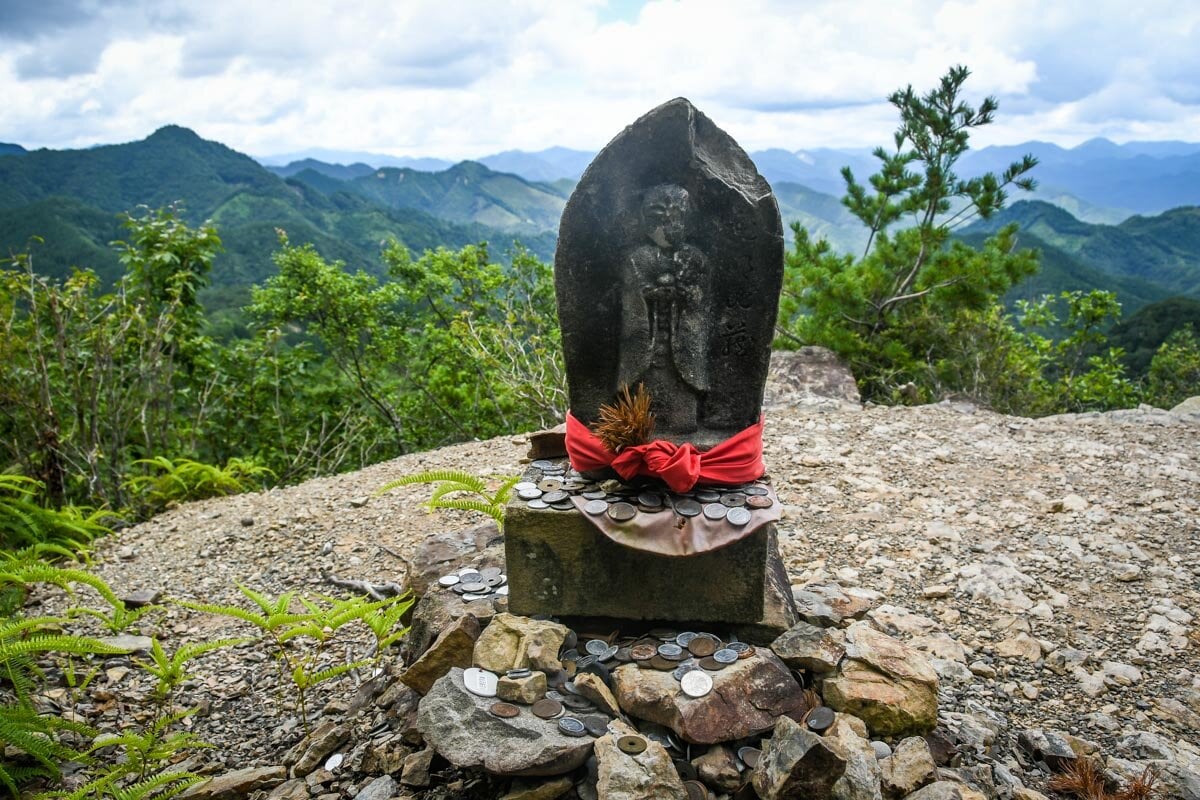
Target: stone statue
{"x":664,"y":310}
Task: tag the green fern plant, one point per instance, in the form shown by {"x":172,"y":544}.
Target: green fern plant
{"x":470,"y":492}
{"x":24,"y":522}
{"x":163,"y":786}
{"x":180,"y":480}
{"x":319,"y":622}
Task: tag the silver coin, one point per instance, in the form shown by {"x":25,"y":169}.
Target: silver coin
{"x":556,"y":496}
{"x":595,"y":507}
{"x":490,"y":572}
{"x":569,"y":726}
{"x":596,"y":646}
{"x":737,"y":647}
{"x":684,"y":669}
{"x":725,"y":656}
{"x":542,"y":464}
{"x":670,"y":650}
{"x":594,"y":495}
{"x":496,"y":581}
{"x":475,"y":586}
{"x":684,"y":638}
{"x":738,"y":517}
{"x":696,"y":683}
{"x":650,"y":499}
{"x":529,"y":494}
{"x":525,"y":672}
{"x":755,"y":490}
{"x":538,"y":504}
{"x":609,"y":654}
{"x":585,"y":661}
{"x":524,"y":485}
{"x":563,"y":505}
{"x":448,"y":580}
{"x":622,"y":512}
{"x":715,"y":511}
{"x":502,"y":591}
{"x":480,"y":681}
{"x":551,"y":694}
{"x":471,"y":596}
{"x":708,"y":496}
{"x":687,"y":508}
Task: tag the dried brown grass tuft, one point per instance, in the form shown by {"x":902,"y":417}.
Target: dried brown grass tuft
{"x":629,"y":422}
{"x":1083,"y":779}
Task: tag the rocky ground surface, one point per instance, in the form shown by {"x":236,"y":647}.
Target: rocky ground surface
{"x":1049,"y":568}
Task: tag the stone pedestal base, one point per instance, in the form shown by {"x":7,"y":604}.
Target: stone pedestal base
{"x":559,"y":564}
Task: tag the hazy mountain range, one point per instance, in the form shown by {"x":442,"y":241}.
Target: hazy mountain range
{"x":71,"y":199}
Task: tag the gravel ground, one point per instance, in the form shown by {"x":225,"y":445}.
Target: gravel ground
{"x":1050,"y":567}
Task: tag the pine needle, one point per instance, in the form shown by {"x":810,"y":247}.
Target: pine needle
{"x":630,"y":422}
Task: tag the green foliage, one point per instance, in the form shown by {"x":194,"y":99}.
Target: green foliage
{"x":306,"y":663}
{"x":889,"y":312}
{"x":460,"y":482}
{"x":1142,"y":334}
{"x":181,"y":479}
{"x":1174,"y":373}
{"x":25,"y":522}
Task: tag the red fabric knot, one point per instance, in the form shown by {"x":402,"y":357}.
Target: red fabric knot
{"x":736,"y":460}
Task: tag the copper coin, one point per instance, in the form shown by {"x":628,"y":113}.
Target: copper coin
{"x":622,"y":512}
{"x":662,"y":664}
{"x":747,"y":653}
{"x":631,"y":745}
{"x":685,"y":769}
{"x":819,"y":719}
{"x":547,"y":708}
{"x":702,"y":646}
{"x":711,"y":664}
{"x":505,"y":710}
{"x":759,"y":501}
{"x":643,"y":652}
{"x":695,"y":790}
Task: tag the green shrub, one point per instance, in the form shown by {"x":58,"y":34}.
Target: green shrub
{"x":1174,"y":373}
{"x":181,"y":480}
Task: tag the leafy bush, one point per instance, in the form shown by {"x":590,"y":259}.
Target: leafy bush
{"x":25,"y":522}
{"x":181,"y":480}
{"x":1174,"y":374}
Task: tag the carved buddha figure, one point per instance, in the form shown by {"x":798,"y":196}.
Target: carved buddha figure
{"x":664,"y":318}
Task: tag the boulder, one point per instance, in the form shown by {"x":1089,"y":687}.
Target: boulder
{"x":1053,"y":748}
{"x":908,"y":768}
{"x":828,"y":604}
{"x":434,"y":613}
{"x":239,"y":783}
{"x":649,"y":775}
{"x":593,"y":688}
{"x":810,"y":376}
{"x":382,"y":788}
{"x":1188,"y":406}
{"x":416,"y":768}
{"x":797,"y":764}
{"x":454,"y":647}
{"x":527,"y":690}
{"x":457,"y":725}
{"x":809,"y":647}
{"x":515,"y":642}
{"x":747,"y":697}
{"x":889,"y":685}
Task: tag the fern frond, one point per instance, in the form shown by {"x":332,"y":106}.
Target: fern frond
{"x":500,"y":498}
{"x":472,"y":482}
{"x":257,"y":620}
{"x":305,"y":679}
{"x":463,"y":504}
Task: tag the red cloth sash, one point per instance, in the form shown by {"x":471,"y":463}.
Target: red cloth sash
{"x":736,"y":460}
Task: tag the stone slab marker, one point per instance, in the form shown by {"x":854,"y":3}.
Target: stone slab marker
{"x":668,"y":272}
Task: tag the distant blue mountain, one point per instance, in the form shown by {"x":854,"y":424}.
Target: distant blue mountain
{"x":7,"y":149}
{"x":548,"y":165}
{"x":341,"y":172}
{"x":339,"y":157}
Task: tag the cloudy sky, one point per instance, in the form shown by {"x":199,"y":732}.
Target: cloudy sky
{"x":457,"y":79}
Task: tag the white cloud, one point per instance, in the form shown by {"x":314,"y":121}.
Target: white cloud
{"x":457,"y":79}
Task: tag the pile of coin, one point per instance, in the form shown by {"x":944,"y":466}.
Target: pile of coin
{"x":551,"y":484}
{"x":476,"y":584}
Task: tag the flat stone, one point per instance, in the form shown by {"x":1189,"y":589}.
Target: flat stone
{"x":648,"y":775}
{"x":1020,"y":645}
{"x":236,"y":784}
{"x":860,"y":780}
{"x":382,"y":788}
{"x":593,"y":688}
{"x":454,"y":647}
{"x":671,"y":217}
{"x":511,"y":641}
{"x":718,"y":769}
{"x":747,"y":697}
{"x":809,"y":647}
{"x":312,"y":751}
{"x":142,"y":598}
{"x":538,"y":790}
{"x":458,"y":726}
{"x":827,"y":604}
{"x":416,"y":768}
{"x":889,"y":685}
{"x":1189,"y":406}
{"x":550,"y":443}
{"x":797,"y":764}
{"x":908,"y":768}
{"x":437,"y":609}
{"x":940,"y":790}
{"x":129,"y":642}
{"x":527,"y":690}
{"x":294,"y":789}
{"x":1051,"y":747}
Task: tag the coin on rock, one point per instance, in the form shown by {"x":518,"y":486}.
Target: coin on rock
{"x":755,"y":490}
{"x":688,"y":508}
{"x":738,"y":647}
{"x":708,"y":496}
{"x":531,"y":493}
{"x":524,"y":485}
{"x":711,"y":664}
{"x":595,"y":507}
{"x":684,"y":669}
{"x":715,"y":511}
{"x":696,"y":790}
{"x":596,"y":646}
{"x":819,"y":719}
{"x":622,"y":512}
{"x":594,"y":495}
{"x":747,"y":653}
{"x":569,"y":726}
{"x":643,"y":652}
{"x":685,"y":769}
{"x":702,"y":646}
{"x":749,"y":756}
{"x":448,"y":580}
{"x":738,"y":517}
{"x":475,"y":587}
{"x":480,"y":681}
{"x":631,"y":745}
{"x":556,"y":496}
{"x":596,"y":724}
{"x":733,"y":499}
{"x":696,"y":683}
{"x":759,"y":502}
{"x":725,"y":655}
{"x":542,"y":464}
{"x":670,"y":650}
{"x":504,"y":710}
{"x":662,"y":663}
{"x":537,"y":504}
{"x":684,"y":638}
{"x":550,"y":484}
{"x":547,"y":708}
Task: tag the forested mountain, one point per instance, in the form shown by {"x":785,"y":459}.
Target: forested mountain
{"x":8,"y":149}
{"x":72,"y":198}
{"x":1143,"y":258}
